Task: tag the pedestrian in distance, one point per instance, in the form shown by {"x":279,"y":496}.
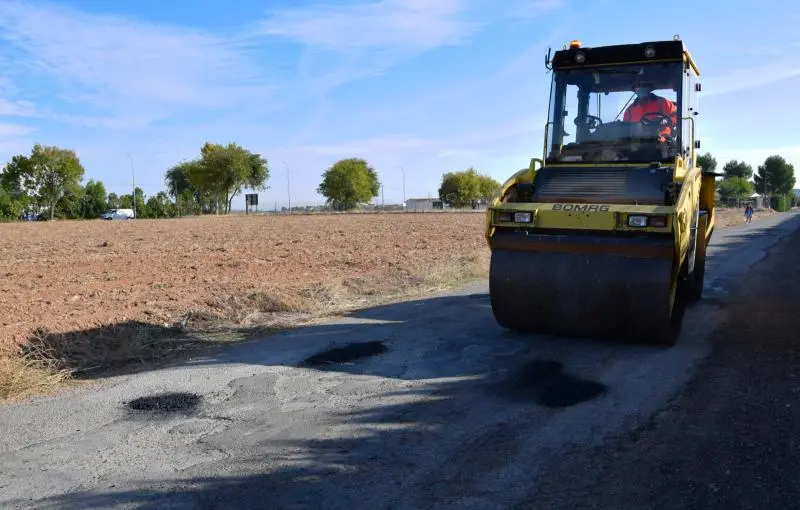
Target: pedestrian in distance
{"x":748,"y":214}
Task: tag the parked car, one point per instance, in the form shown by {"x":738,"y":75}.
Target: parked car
{"x":118,"y":214}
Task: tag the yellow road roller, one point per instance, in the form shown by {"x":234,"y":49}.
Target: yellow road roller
{"x":605,"y":235}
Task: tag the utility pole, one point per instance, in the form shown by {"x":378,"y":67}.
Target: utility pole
{"x":133,"y":180}
{"x":288,"y":186}
{"x":383,"y":202}
{"x":403,"y":170}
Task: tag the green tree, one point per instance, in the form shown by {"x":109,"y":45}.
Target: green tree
{"x":187,"y":197}
{"x":735,"y":188}
{"x":159,"y":206}
{"x":19,"y":183}
{"x":177,"y":179}
{"x":11,"y":207}
{"x":95,"y":199}
{"x":737,"y":169}
{"x":125,"y":201}
{"x":349,"y":183}
{"x":466,"y":188}
{"x":187,"y":203}
{"x":775,"y":177}
{"x":221,"y":173}
{"x":71,"y":204}
{"x":114,"y":201}
{"x":141,"y":206}
{"x":47,"y":175}
{"x":707,"y":162}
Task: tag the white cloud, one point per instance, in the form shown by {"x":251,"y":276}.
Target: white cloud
{"x":16,"y":108}
{"x":416,"y":24}
{"x":411,"y":25}
{"x":131,"y":70}
{"x":472,"y":142}
{"x":743,"y":79}
{"x":15,"y":130}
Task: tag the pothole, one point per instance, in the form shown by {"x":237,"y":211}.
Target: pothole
{"x":346,"y":354}
{"x":546,"y":383}
{"x":534,"y":373}
{"x":172,"y":402}
{"x":566,"y":390}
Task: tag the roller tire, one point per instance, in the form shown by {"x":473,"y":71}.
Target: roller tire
{"x":670,"y":331}
{"x":693,"y":286}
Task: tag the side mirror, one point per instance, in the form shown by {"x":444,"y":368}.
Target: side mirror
{"x":697,"y":87}
{"x":697,"y":144}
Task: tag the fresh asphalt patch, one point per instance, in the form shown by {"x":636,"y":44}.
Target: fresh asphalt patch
{"x":547,"y":384}
{"x":346,"y":354}
{"x":164,"y":403}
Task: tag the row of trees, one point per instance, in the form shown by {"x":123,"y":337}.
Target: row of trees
{"x":774,"y":178}
{"x":48,"y":182}
{"x":352,"y":182}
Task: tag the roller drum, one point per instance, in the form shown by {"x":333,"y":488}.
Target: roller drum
{"x":584,"y":293}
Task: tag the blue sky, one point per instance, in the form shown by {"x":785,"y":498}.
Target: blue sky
{"x":429,"y":85}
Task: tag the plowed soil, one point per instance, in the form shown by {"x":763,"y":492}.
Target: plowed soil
{"x":72,"y":275}
{"x":66,"y":276}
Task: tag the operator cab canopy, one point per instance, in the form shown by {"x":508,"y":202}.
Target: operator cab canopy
{"x":593,"y":87}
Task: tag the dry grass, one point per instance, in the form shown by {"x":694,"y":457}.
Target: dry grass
{"x":50,"y":359}
{"x":24,"y":376}
{"x":730,"y":217}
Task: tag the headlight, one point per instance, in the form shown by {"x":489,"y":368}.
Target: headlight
{"x":522,"y":217}
{"x":637,"y":221}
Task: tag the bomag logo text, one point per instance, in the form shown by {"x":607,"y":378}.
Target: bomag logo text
{"x":580,"y":207}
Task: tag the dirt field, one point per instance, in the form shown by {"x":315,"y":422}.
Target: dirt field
{"x":67,"y":276}
{"x":85,"y":291}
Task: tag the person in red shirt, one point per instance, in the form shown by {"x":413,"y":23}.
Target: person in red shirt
{"x":647,"y":102}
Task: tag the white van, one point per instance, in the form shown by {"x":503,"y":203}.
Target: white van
{"x":118,"y":214}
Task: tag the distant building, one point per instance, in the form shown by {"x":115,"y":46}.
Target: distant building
{"x":423,"y":204}
{"x":755,"y":200}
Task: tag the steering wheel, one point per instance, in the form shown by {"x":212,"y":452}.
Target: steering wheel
{"x":663,"y":120}
{"x":590,"y":120}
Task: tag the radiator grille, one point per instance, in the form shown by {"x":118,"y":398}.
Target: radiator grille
{"x":609,"y":185}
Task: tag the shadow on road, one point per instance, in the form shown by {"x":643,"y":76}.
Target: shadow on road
{"x":440,"y":354}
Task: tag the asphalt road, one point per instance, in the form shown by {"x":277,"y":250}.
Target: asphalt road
{"x":446,"y":411}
